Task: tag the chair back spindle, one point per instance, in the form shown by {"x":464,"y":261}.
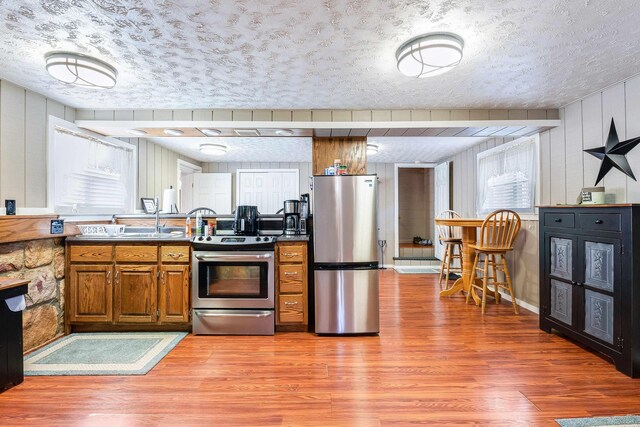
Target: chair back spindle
{"x":447,"y":232}
{"x":499,"y":230}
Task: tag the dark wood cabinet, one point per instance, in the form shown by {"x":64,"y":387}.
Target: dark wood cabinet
{"x":589,"y":285}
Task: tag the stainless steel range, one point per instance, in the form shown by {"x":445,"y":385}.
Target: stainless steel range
{"x":233,"y":283}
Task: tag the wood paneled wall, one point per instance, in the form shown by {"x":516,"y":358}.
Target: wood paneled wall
{"x":564,"y":168}
{"x":23,"y":147}
{"x":352,"y":151}
{"x":23,"y":143}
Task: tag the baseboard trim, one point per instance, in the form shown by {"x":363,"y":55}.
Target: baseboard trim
{"x":522,"y":304}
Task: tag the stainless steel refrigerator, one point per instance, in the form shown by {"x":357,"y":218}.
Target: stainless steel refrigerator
{"x":345,"y":254}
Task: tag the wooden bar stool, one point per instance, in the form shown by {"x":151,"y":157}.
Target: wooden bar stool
{"x":497,"y":234}
{"x":451,"y":237}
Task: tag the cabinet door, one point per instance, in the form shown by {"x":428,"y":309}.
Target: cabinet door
{"x":174,"y":293}
{"x":136,"y":297}
{"x":600,"y":283}
{"x":91,"y":293}
{"x":559,"y":296}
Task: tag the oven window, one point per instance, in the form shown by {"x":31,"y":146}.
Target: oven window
{"x":233,"y":280}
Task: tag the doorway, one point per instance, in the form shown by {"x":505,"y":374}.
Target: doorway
{"x":185,"y":168}
{"x":414,"y":215}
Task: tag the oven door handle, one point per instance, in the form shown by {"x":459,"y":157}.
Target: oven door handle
{"x":234,"y":257}
{"x":232,"y":315}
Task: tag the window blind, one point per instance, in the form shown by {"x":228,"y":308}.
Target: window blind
{"x":506,"y":177}
{"x":91,"y":175}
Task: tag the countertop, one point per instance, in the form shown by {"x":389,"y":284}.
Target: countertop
{"x":290,"y":238}
{"x":108,"y":239}
{"x":6,"y":283}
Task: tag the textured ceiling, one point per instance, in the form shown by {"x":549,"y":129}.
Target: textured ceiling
{"x":391,"y":149}
{"x":298,"y":54}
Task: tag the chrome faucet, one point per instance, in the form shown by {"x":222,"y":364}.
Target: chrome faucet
{"x":157,"y":202}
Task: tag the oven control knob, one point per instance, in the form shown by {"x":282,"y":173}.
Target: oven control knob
{"x":257,"y":239}
{"x":201,"y":238}
{"x":209,"y":238}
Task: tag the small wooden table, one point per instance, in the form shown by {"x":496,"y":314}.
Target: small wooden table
{"x":469,"y":235}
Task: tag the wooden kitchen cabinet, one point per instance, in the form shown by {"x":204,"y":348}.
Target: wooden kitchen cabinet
{"x":291,"y":286}
{"x":173,"y":293}
{"x":90,"y":293}
{"x":128,"y":286}
{"x":135,"y":293}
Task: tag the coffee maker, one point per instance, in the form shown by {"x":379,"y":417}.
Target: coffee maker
{"x":291,"y":217}
{"x":246,"y":221}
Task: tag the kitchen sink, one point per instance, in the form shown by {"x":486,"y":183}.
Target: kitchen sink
{"x":137,"y":233}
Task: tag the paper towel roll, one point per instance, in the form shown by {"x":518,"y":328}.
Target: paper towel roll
{"x":16,"y":303}
{"x":170,"y":201}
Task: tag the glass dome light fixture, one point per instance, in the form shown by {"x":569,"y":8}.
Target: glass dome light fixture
{"x":213,"y":149}
{"x":372,"y":149}
{"x":81,"y":70}
{"x":430,"y":54}
{"x":211,"y":132}
{"x":136,"y":132}
{"x":173,"y":132}
{"x":284,"y":132}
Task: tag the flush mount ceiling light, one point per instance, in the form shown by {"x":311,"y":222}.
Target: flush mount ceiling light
{"x":284,"y":132}
{"x":211,"y":132}
{"x":213,"y":149}
{"x":136,"y":132}
{"x":81,"y":70}
{"x":372,"y":149}
{"x":429,"y":54}
{"x":173,"y":132}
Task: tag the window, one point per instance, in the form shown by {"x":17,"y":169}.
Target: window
{"x":89,"y":173}
{"x":507,"y":177}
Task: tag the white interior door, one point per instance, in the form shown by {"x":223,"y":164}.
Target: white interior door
{"x":208,"y":190}
{"x":442,"y":198}
{"x":267,"y":188}
{"x":186,"y":193}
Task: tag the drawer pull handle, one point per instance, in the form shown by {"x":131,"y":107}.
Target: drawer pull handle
{"x":289,"y":273}
{"x":174,"y":255}
{"x":558,"y":220}
{"x":289,"y":254}
{"x":290,"y":303}
{"x":598,"y":221}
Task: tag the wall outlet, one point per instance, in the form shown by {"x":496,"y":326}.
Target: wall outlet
{"x":57,"y":226}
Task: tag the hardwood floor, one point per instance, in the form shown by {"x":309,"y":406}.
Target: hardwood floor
{"x":436,"y":362}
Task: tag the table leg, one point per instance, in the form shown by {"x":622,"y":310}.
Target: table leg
{"x":468,"y":255}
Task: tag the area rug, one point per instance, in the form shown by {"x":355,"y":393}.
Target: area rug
{"x":624,"y":421}
{"x":111,"y":353}
{"x":417,"y":270}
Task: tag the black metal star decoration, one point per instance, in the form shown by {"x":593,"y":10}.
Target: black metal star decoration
{"x":613,"y":154}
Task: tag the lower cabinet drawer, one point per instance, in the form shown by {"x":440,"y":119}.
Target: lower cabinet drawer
{"x":291,"y":278}
{"x":140,"y":253}
{"x":291,"y":253}
{"x":603,"y":222}
{"x":291,"y":309}
{"x":561,"y":220}
{"x":174,"y":253}
{"x":81,"y":253}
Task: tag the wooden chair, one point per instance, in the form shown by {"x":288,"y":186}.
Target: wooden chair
{"x":451,"y":237}
{"x":497,"y":234}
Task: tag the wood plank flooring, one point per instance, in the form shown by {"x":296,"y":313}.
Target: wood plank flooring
{"x":436,"y":362}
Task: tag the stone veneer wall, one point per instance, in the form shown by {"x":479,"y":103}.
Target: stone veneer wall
{"x":41,"y":262}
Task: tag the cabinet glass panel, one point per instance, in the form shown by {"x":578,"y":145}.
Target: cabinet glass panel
{"x":598,"y":265}
{"x":561,"y":301}
{"x":598,"y":317}
{"x":561,"y":257}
